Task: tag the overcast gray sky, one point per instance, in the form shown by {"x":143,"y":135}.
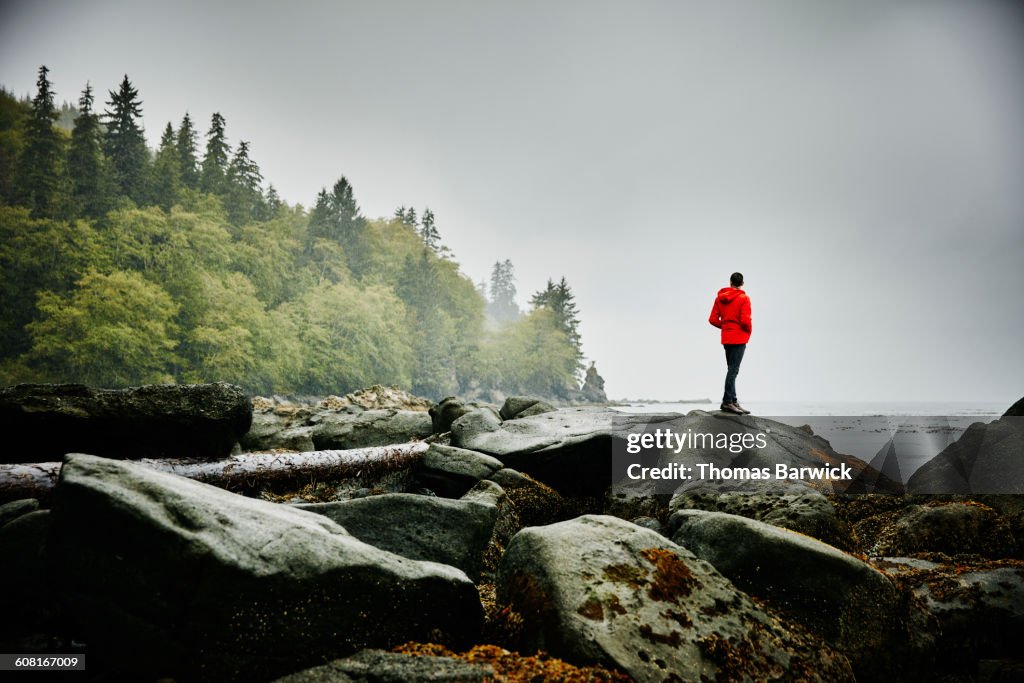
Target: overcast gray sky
{"x":861,"y":162}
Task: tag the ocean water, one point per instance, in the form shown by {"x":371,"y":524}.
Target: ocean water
{"x":894,"y":437}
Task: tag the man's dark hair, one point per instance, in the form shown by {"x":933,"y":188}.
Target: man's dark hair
{"x":736,"y":279}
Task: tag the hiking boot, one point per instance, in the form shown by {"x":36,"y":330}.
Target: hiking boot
{"x":732,"y":408}
{"x":743,"y":411}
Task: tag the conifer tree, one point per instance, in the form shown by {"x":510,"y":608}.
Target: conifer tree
{"x":502,"y":306}
{"x":187,"y":158}
{"x":213,"y":178}
{"x":39,"y":165}
{"x":559,"y":299}
{"x":166,"y":171}
{"x":86,"y":165}
{"x":428,"y":231}
{"x":243,"y":200}
{"x":125,"y":144}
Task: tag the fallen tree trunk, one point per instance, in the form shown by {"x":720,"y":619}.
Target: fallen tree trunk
{"x":242,"y":473}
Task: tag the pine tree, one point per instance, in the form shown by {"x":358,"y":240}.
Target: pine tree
{"x":243,"y":201}
{"x":428,"y":231}
{"x":86,"y":165}
{"x":39,"y":165}
{"x":186,"y":144}
{"x":559,"y":299}
{"x":400,"y":213}
{"x":166,"y":186}
{"x":215,"y":163}
{"x":410,"y":218}
{"x":502,"y":306}
{"x":125,"y":144}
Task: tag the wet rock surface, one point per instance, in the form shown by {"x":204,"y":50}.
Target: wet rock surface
{"x":603,"y":590}
{"x":42,"y":422}
{"x":187,"y":580}
{"x":855,"y":607}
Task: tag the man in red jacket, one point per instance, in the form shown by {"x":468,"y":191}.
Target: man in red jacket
{"x":731,"y":313}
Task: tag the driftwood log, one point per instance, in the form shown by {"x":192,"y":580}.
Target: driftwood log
{"x":242,"y":473}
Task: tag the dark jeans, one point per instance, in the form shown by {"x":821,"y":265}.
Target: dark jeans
{"x":733,"y":358}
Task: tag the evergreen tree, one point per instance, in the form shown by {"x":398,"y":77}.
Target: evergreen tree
{"x":271,"y":203}
{"x":335,"y":215}
{"x":428,"y":231}
{"x":215,"y":163}
{"x":559,"y":299}
{"x":186,"y":144}
{"x":400,"y":213}
{"x":125,"y":144}
{"x":39,"y":165}
{"x":410,"y":218}
{"x":166,"y":184}
{"x":86,"y":165}
{"x":244,"y":201}
{"x":502,"y":306}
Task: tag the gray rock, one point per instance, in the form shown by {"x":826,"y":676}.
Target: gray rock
{"x":985,"y":459}
{"x":650,"y":523}
{"x":508,"y":478}
{"x":17,"y":508}
{"x":177,"y":578}
{"x":1016,"y":410}
{"x":271,"y":430}
{"x":517,"y":406}
{"x":980,"y":608}
{"x":852,"y":605}
{"x":476,"y":422}
{"x":377,"y":666}
{"x":580,"y":450}
{"x":22,"y":567}
{"x":42,"y":422}
{"x":451,"y":471}
{"x":340,"y":431}
{"x":790,"y":505}
{"x":947,"y":527}
{"x":599,"y":589}
{"x":446,"y":412}
{"x":453,"y":532}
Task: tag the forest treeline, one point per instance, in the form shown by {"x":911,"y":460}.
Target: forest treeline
{"x":122,"y":265}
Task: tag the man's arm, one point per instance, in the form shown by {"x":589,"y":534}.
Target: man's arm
{"x":746,"y":324}
{"x":716,"y":315}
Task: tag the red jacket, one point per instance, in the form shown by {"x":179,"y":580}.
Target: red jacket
{"x":731,"y":313}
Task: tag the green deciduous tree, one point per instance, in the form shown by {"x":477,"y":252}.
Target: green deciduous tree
{"x":111,"y":330}
{"x":125,"y":144}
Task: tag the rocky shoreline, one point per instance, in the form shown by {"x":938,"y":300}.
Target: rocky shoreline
{"x":497,"y":551}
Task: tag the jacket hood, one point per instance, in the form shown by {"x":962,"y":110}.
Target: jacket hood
{"x":727,"y":294}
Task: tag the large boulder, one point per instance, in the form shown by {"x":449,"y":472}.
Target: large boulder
{"x":27,"y":601}
{"x":454,"y":532}
{"x":17,"y":508}
{"x":176,"y":578}
{"x":581,"y":450}
{"x":447,"y":411}
{"x":986,"y":459}
{"x":979,"y":606}
{"x":42,"y":422}
{"x":524,"y":406}
{"x":598,"y":589}
{"x":342,"y":430}
{"x":450,"y":472}
{"x":790,"y":505}
{"x":855,"y":607}
{"x":950,"y":527}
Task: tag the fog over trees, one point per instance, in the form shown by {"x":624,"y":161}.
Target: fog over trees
{"x":123,"y":265}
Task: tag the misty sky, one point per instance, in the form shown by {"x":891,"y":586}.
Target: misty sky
{"x":861,"y":162}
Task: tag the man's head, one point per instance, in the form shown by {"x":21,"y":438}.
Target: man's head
{"x":736,"y":279}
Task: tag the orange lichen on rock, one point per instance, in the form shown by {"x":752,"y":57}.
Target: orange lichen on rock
{"x":516,"y":668}
{"x":672,"y":578}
